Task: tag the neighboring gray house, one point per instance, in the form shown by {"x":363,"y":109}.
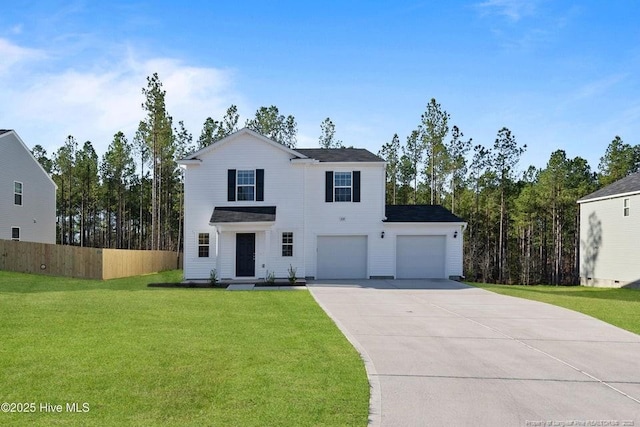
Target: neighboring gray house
{"x":610,"y":235}
{"x":27,"y":194}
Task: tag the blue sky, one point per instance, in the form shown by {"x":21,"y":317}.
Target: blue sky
{"x":559,"y":74}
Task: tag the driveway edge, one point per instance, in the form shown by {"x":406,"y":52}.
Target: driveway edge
{"x":375,"y":398}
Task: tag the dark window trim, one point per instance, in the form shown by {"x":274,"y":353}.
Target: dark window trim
{"x":17,"y":239}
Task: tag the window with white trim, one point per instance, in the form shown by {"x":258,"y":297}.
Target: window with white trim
{"x":15,"y":233}
{"x":287,"y":243}
{"x":203,"y":245}
{"x":246,"y":185}
{"x":342,"y":186}
{"x":626,"y":206}
{"x":17,"y":193}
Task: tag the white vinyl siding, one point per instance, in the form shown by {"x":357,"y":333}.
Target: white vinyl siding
{"x":27,"y":194}
{"x":609,"y":246}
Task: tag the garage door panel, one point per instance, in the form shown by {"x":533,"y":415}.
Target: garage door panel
{"x":342,"y":257}
{"x":420,"y":257}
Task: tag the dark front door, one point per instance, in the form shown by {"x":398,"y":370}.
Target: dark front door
{"x":245,"y":254}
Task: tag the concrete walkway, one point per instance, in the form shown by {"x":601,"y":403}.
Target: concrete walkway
{"x":440,"y":353}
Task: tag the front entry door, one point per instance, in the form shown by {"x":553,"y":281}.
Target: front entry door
{"x":245,"y":254}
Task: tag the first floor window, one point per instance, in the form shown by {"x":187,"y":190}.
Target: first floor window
{"x":287,"y":243}
{"x":203,"y":245}
{"x":625,"y":207}
{"x":15,"y":233}
{"x":342,"y":186}
{"x":17,"y":193}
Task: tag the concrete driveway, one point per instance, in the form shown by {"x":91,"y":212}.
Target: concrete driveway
{"x":444,"y":354}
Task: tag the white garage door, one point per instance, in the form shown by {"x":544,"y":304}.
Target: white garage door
{"x":342,"y":257}
{"x":420,"y":257}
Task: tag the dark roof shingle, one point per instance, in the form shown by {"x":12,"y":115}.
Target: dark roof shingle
{"x":243,"y":214}
{"x":4,"y":131}
{"x":628,"y":184}
{"x":419,"y":213}
{"x":340,"y":154}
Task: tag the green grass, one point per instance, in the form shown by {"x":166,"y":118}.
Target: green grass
{"x":152,"y":356}
{"x":619,"y":307}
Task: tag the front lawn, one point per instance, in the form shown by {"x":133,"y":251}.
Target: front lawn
{"x":150,"y":356}
{"x":619,"y":307}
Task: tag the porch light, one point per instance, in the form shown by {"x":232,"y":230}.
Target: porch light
{"x":382,"y":235}
{"x":455,"y":234}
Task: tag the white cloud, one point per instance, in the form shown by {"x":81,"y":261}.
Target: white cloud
{"x":45,"y":107}
{"x":13,"y":55}
{"x":514,"y":10}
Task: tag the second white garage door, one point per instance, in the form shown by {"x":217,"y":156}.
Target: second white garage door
{"x":420,"y":257}
{"x":342,"y":257}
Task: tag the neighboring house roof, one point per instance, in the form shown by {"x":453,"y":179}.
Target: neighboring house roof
{"x":4,"y":131}
{"x":627,"y":185}
{"x":243,"y":214}
{"x":339,"y":154}
{"x":419,"y":213}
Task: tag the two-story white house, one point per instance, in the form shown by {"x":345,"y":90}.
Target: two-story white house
{"x":27,"y":194}
{"x":254,"y":207}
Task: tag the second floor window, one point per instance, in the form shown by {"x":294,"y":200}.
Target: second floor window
{"x":342,"y":186}
{"x":246,"y":185}
{"x":17,"y":193}
{"x":625,"y":207}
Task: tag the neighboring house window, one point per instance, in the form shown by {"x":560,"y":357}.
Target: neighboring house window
{"x":245,"y":185}
{"x":287,"y":243}
{"x":203,"y":245}
{"x":15,"y":233}
{"x":625,"y":209}
{"x":17,"y":193}
{"x":342,"y":186}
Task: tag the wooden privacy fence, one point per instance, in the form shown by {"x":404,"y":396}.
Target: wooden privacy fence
{"x":88,"y":263}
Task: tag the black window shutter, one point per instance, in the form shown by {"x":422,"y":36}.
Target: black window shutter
{"x":259,"y":185}
{"x":356,"y":186}
{"x":328,"y":186}
{"x":231,"y":185}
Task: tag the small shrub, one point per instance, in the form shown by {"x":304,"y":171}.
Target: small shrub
{"x":292,"y":274}
{"x":213,"y":277}
{"x":270,"y":278}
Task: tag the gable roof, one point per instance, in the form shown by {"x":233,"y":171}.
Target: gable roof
{"x":320,"y":154}
{"x":243,"y":214}
{"x":339,"y":154}
{"x":627,"y":185}
{"x":419,"y":213}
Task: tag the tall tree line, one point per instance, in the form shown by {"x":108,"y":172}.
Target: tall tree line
{"x":523,"y":223}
